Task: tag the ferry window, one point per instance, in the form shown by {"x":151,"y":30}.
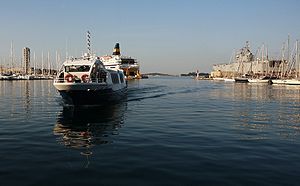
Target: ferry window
{"x":67,"y":69}
{"x":84,"y":68}
{"x":121,"y":77}
{"x":93,"y":74}
{"x":77,"y":68}
{"x":115,"y":78}
{"x":128,"y":61}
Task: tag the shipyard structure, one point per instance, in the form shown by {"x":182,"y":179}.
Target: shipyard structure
{"x":246,"y":63}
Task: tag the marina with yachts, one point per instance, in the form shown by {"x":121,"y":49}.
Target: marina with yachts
{"x":247,"y":67}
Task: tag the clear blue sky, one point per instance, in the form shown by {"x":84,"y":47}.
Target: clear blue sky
{"x":171,"y":36}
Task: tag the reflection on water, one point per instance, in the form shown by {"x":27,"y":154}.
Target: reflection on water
{"x":16,"y":93}
{"x":83,"y":127}
{"x":27,"y":101}
{"x":262,"y":111}
{"x":177,"y":131}
{"x":21,"y":98}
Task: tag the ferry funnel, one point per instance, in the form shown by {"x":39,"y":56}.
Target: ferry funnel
{"x":117,"y":49}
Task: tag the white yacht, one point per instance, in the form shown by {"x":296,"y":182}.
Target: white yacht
{"x":262,"y":79}
{"x":85,"y":81}
{"x":286,"y":82}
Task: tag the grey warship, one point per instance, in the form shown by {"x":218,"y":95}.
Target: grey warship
{"x":245,"y":63}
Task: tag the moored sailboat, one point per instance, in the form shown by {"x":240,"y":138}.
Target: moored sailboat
{"x":263,"y":79}
{"x":292,"y":77}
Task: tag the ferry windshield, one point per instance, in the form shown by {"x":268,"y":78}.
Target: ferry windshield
{"x":77,"y":68}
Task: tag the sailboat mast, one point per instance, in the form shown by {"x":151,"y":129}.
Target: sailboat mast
{"x":48,"y":61}
{"x":34,"y":64}
{"x":262,"y":58}
{"x":56,"y":60}
{"x":288,"y":49}
{"x":11,"y":56}
{"x":267,"y":61}
{"x":297,"y":59}
{"x":42,"y":63}
{"x":67,"y":54}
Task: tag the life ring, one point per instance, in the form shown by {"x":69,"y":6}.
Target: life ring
{"x":84,"y":78}
{"x":69,"y":78}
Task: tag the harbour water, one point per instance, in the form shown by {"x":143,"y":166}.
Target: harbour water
{"x":169,"y":131}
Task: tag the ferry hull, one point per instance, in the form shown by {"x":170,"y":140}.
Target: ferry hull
{"x":92,"y":97}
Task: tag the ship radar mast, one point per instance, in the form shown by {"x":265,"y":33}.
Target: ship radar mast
{"x":88,"y":40}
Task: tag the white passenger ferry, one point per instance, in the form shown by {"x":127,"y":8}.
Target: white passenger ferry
{"x":86,"y":81}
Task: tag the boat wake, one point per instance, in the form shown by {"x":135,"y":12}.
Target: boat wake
{"x":139,"y":94}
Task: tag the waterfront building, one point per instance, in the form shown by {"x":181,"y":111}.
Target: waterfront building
{"x":26,"y":60}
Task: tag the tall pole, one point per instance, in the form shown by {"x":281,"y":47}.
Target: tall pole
{"x":56,"y":60}
{"x":267,"y":61}
{"x":67,"y":49}
{"x":34,"y":64}
{"x":297,"y":59}
{"x":288,"y":52}
{"x":42,"y":63}
{"x":11,"y":56}
{"x":88,"y":39}
{"x":262,"y":58}
{"x":48,"y":60}
{"x":283,"y":51}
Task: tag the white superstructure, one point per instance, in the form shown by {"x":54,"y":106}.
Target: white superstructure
{"x":116,"y":61}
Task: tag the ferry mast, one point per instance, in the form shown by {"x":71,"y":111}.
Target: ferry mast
{"x":88,"y":40}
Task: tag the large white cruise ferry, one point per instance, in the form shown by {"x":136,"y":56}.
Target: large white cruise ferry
{"x":86,"y":81}
{"x":116,"y":61}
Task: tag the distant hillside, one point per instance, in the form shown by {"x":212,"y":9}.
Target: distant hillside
{"x":156,"y":74}
{"x":194,"y":74}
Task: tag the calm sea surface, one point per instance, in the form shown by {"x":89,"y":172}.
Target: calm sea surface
{"x":169,"y":131}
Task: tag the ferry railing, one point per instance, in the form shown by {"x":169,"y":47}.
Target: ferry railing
{"x":87,"y":80}
{"x":97,"y":80}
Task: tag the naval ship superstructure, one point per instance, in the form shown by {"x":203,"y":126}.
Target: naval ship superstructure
{"x":245,"y":62}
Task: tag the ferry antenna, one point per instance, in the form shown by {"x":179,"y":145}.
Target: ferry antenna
{"x":88,"y":38}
